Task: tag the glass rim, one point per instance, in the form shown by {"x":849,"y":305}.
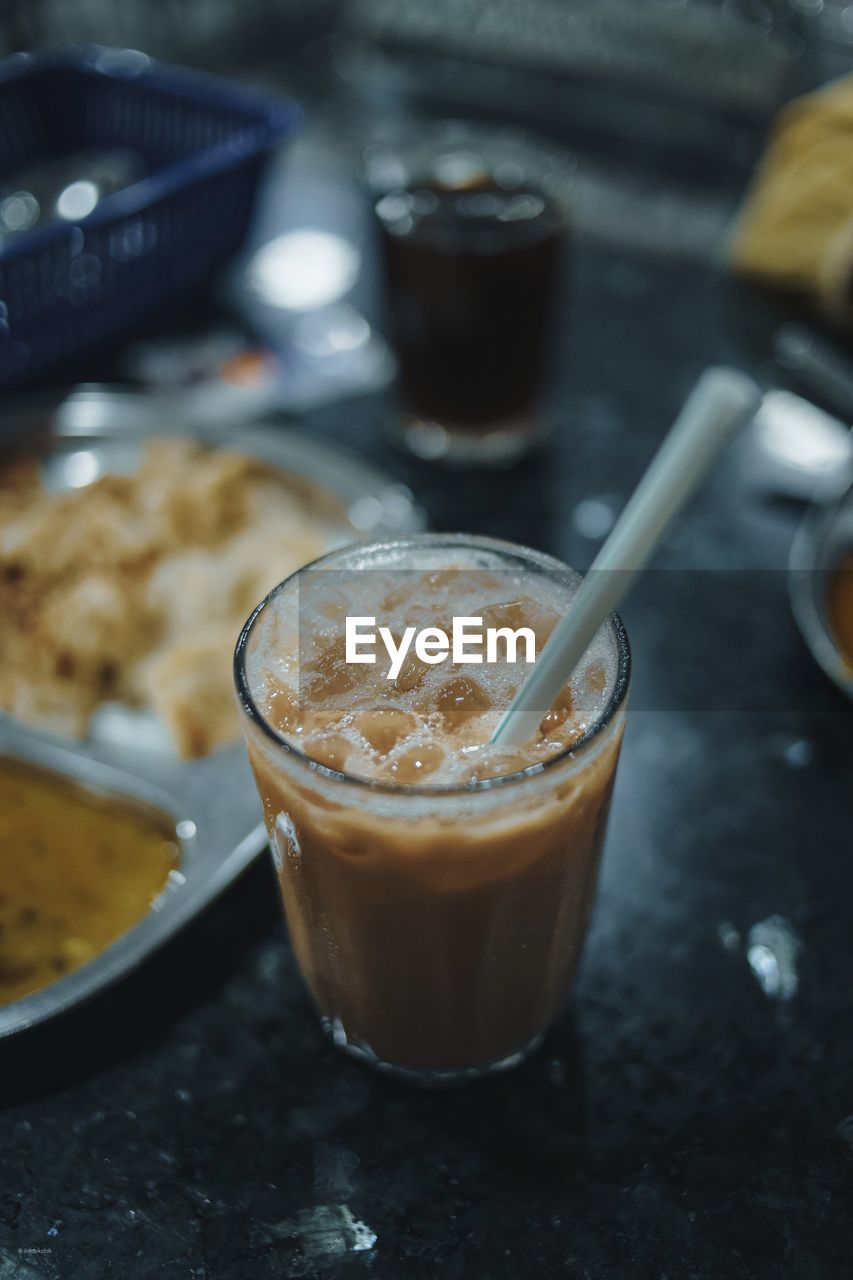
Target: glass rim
{"x":373,"y":785}
{"x":412,"y":137}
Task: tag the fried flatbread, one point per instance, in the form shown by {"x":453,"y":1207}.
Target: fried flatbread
{"x":134,"y":588}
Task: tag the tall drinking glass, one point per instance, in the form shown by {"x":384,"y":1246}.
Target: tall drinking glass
{"x":474,"y":226}
{"x":437,"y":923}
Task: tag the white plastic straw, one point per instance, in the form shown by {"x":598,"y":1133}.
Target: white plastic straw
{"x":722,"y":400}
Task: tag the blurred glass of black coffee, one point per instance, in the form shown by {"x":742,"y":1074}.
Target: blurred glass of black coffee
{"x":473,"y":223}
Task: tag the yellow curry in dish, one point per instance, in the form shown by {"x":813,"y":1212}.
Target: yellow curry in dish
{"x":77,"y":870}
{"x":840,"y":608}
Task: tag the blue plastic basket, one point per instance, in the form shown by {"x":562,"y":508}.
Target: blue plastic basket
{"x":68,"y":289}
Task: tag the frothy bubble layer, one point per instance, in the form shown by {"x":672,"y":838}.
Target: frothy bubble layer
{"x":432,"y":723}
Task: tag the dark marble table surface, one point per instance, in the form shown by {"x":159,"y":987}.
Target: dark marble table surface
{"x":691,"y":1116}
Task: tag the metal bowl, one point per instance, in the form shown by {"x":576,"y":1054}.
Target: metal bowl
{"x":823,"y":539}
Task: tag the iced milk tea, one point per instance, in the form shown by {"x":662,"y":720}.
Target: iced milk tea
{"x":437,"y":888}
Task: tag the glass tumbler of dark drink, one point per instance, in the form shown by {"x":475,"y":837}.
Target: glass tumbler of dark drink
{"x":474,"y":224}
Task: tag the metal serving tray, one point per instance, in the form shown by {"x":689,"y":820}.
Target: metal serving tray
{"x":213,"y":800}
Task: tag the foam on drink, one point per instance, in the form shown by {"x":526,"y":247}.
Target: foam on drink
{"x":433,"y":723}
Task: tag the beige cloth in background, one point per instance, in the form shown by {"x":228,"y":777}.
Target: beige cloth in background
{"x":796,"y":228}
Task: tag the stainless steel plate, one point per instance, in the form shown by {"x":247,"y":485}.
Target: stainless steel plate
{"x":212,"y":801}
{"x":823,"y":538}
